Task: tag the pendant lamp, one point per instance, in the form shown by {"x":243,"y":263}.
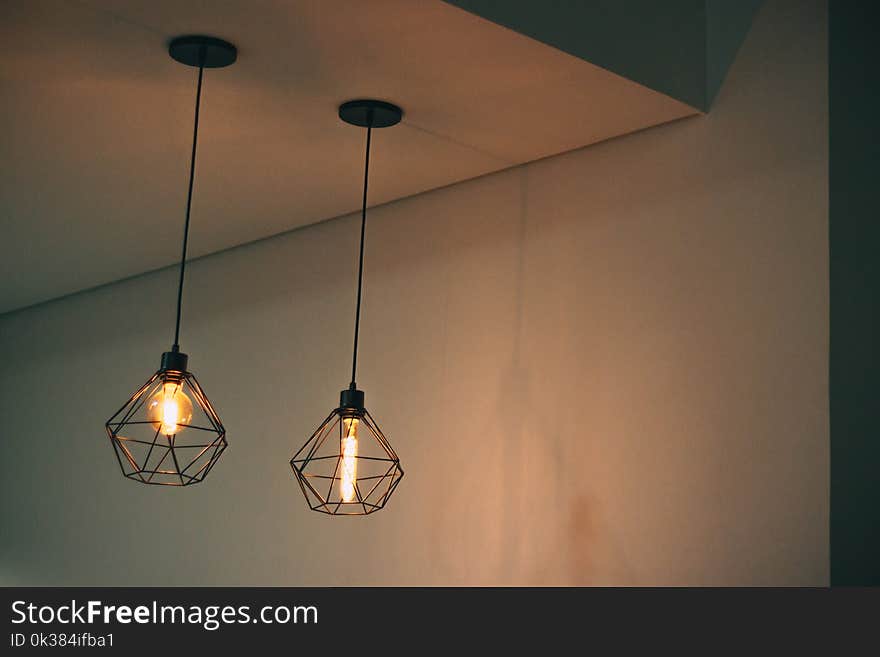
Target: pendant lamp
{"x":347,"y":466}
{"x":168,"y":433}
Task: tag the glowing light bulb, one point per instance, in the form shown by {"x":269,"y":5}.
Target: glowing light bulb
{"x":349,"y":449}
{"x":169,"y":410}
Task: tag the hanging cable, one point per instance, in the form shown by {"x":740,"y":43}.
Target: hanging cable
{"x":192,"y":172}
{"x":357,"y":316}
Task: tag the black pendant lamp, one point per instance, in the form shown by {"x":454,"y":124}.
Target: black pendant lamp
{"x":168,"y":433}
{"x":348,"y":467}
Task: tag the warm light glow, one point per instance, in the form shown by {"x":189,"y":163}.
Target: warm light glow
{"x":349,"y":459}
{"x":169,"y":410}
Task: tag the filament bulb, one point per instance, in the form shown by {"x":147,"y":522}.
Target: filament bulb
{"x":169,"y":410}
{"x":349,"y":451}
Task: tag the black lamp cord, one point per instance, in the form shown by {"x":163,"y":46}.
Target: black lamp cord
{"x":357,"y":316}
{"x":192,"y":172}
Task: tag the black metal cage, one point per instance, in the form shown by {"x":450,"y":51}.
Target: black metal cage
{"x":341,"y":477}
{"x":167,"y":433}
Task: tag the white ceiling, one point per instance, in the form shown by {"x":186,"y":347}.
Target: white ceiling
{"x":98,"y":121}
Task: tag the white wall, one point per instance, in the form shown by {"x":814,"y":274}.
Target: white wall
{"x":608,"y":367}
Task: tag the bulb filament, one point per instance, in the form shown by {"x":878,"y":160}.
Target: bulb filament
{"x":170,"y":410}
{"x":349,"y":460}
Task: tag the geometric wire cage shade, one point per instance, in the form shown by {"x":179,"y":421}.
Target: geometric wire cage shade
{"x":339,"y":477}
{"x":167,"y":433}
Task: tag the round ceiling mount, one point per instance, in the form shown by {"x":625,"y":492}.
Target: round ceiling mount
{"x":195,"y":50}
{"x":366,"y":113}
